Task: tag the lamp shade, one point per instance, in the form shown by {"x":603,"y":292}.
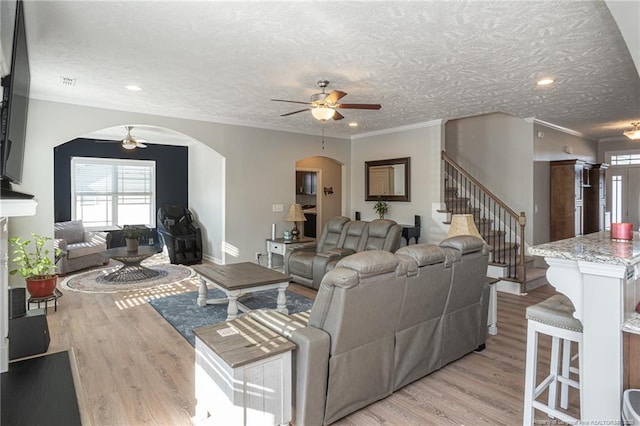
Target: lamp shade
{"x":295,"y":214}
{"x":463,"y":224}
{"x":323,"y":113}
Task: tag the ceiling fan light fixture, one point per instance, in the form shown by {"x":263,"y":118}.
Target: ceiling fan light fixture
{"x":634,"y":133}
{"x":129,"y":144}
{"x":323,"y":113}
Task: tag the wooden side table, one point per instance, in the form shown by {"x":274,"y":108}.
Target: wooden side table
{"x":243,"y":374}
{"x":280,"y":246}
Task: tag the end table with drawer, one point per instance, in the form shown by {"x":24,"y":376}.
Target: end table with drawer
{"x":280,"y":246}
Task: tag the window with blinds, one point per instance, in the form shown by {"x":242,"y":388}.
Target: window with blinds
{"x":111,"y":191}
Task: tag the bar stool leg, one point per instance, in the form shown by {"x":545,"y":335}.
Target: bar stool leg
{"x":530,"y":374}
{"x":554,"y":370}
{"x":566,"y":372}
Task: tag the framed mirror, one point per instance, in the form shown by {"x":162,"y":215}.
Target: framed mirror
{"x":388,"y":180}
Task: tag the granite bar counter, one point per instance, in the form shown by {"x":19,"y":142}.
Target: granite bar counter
{"x":600,"y":276}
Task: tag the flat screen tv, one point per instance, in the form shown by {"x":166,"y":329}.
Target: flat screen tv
{"x":15,"y":102}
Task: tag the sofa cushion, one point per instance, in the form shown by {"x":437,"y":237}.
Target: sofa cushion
{"x":71,"y":231}
{"x":355,"y":230}
{"x":302,"y":263}
{"x":370,"y":263}
{"x":83,"y":249}
{"x":424,"y":254}
{"x":464,"y":243}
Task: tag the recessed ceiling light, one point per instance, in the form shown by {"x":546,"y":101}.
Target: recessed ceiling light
{"x":133,"y":88}
{"x":353,"y":124}
{"x":545,"y":81}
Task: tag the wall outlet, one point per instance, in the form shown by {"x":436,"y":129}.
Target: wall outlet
{"x":277,"y":208}
{"x":151,"y":241}
{"x":258,"y":255}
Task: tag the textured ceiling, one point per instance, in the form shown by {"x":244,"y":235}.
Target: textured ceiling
{"x":422,"y":60}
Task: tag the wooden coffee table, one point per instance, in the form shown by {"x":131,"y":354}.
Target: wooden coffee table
{"x":237,"y":279}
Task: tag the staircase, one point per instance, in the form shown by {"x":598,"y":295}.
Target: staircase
{"x":501,"y":228}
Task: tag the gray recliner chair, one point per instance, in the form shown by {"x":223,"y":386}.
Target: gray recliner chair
{"x":308,"y":267}
{"x":301,"y":263}
{"x":80,"y":248}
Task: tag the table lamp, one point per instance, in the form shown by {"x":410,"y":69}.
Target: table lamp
{"x":295,"y":215}
{"x":463,"y":224}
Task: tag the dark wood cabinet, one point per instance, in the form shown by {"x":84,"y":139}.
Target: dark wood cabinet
{"x":578,"y":198}
{"x":306,"y":183}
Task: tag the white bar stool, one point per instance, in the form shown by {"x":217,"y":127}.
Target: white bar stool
{"x":553,"y":317}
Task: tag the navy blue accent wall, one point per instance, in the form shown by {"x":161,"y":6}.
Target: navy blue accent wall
{"x":172,"y":170}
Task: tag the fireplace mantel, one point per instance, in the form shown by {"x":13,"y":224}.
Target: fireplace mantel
{"x":11,"y":207}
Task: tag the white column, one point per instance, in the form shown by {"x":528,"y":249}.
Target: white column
{"x":601,"y":372}
{"x":8,"y":208}
{"x":597,"y":293}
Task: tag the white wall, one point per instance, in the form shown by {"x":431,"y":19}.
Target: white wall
{"x":259,"y":166}
{"x":207,"y":197}
{"x":624,"y":144}
{"x":497,"y":149}
{"x":423,"y":146}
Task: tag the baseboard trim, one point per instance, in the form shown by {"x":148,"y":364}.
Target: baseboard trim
{"x":510,"y":287}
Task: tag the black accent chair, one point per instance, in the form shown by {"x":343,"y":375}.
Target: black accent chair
{"x":179,"y":232}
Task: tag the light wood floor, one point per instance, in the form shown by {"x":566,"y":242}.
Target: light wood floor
{"x":135,"y":369}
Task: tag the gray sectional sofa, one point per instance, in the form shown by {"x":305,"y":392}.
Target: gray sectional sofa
{"x":340,"y":237}
{"x":381,"y":321}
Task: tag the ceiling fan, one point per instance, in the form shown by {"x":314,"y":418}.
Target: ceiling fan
{"x":324,"y":106}
{"x":130,"y":142}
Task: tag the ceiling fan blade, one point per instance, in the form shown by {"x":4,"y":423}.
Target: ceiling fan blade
{"x":359,"y":106}
{"x":337,"y":116}
{"x":291,"y":102}
{"x":295,"y":112}
{"x":335,"y":96}
{"x":140,"y":145}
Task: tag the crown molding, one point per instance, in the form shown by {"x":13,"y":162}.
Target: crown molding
{"x":432,"y":123}
{"x":558,"y":128}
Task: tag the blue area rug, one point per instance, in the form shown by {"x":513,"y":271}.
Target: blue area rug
{"x":184,"y":315}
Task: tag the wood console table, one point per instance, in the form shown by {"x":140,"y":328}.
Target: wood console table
{"x":601,"y":277}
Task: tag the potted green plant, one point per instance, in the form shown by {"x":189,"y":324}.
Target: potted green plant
{"x":381,"y":207}
{"x":35,"y":265}
{"x":132,"y":236}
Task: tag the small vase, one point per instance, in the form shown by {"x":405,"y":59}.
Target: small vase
{"x":132,"y":244}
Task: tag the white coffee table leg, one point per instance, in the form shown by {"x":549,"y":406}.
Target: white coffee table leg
{"x":202,"y":293}
{"x":282,"y":299}
{"x":232,"y":309}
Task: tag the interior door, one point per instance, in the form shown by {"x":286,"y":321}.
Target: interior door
{"x":633,"y":197}
{"x":623,"y":184}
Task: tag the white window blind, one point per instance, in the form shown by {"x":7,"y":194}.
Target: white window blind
{"x":110,"y":191}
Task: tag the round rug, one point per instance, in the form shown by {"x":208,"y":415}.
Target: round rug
{"x":91,"y":282}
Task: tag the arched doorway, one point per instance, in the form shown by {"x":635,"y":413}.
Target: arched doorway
{"x":319,"y":191}
{"x":188,"y":173}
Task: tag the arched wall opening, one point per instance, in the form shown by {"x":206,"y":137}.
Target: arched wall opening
{"x":321,"y":200}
